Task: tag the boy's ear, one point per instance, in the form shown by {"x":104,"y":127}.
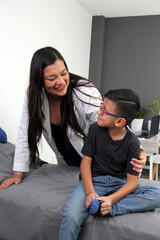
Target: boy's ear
{"x":120,"y":122}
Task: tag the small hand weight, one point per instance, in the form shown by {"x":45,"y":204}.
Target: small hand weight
{"x":95,"y":205}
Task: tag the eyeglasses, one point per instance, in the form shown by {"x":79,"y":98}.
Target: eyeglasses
{"x":104,"y":112}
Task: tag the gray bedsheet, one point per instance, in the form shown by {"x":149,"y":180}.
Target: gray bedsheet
{"x":33,"y":209}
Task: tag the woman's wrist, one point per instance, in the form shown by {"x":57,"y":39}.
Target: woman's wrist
{"x":18,"y":173}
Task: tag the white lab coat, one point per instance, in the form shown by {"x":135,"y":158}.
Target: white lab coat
{"x":86,"y":114}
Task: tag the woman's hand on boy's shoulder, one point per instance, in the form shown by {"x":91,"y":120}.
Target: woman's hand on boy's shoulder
{"x":138,"y":164}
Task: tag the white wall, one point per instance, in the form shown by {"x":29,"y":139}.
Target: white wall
{"x":25,"y":26}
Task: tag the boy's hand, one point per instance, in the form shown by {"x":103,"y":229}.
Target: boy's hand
{"x":106,"y":205}
{"x":89,"y":198}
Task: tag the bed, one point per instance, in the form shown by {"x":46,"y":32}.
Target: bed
{"x":33,"y":209}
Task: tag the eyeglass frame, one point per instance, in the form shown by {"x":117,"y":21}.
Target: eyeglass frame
{"x":105,"y":112}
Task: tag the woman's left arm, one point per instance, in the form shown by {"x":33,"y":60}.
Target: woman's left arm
{"x":138,"y":164}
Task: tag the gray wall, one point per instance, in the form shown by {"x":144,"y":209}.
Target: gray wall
{"x":125,"y":53}
{"x":97,"y":49}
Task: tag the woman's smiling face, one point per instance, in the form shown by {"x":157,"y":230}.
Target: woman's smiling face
{"x":56,"y":79}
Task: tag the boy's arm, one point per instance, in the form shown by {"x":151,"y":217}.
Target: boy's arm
{"x":129,"y":187}
{"x":87,"y":180}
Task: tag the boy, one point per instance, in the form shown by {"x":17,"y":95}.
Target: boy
{"x":107,"y":173}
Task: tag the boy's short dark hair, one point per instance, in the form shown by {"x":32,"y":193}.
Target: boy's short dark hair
{"x":127,"y":101}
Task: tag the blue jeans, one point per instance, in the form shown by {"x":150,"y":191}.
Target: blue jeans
{"x":75,"y":213}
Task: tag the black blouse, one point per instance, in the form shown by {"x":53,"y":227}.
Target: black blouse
{"x":70,"y":156}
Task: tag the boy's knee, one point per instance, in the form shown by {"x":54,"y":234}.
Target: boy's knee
{"x":74,"y":216}
{"x":158,"y":194}
{"x":72,"y":219}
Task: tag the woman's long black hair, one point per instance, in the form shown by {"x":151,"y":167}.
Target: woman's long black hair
{"x":41,"y":59}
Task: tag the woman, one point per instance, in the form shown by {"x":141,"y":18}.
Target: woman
{"x":60,"y":105}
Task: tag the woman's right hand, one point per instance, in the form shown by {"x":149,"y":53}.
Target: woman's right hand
{"x":15,"y":179}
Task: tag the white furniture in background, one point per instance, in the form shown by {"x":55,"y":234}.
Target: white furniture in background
{"x":156,"y":161}
{"x":151,"y":147}
{"x":136,"y":124}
